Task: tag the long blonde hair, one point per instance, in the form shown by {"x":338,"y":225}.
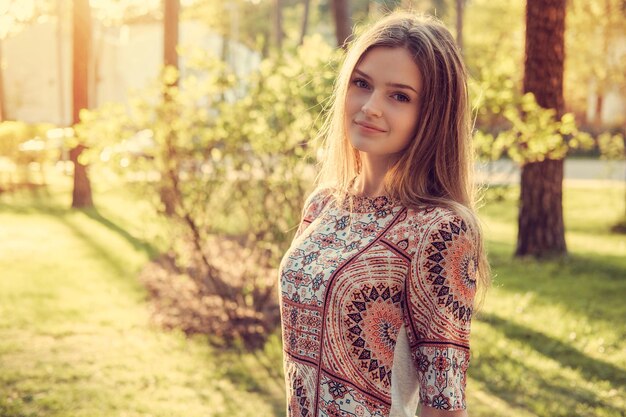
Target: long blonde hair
{"x":437,"y":166}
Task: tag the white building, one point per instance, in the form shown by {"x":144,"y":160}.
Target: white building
{"x":37,"y":73}
{"x":613,"y":110}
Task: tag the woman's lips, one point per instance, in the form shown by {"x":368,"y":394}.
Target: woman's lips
{"x":368,"y":127}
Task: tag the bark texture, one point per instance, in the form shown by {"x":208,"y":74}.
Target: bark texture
{"x":305,"y":21}
{"x":168,"y":187}
{"x":2,"y":111}
{"x":60,"y":8}
{"x":341,"y":14}
{"x":170,"y":32}
{"x":278,"y":24}
{"x":541,"y":228}
{"x":81,"y":195}
{"x":460,"y":5}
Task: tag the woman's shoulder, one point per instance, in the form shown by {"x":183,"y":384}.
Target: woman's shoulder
{"x":316,"y":201}
{"x":430,"y":214}
{"x":432,"y":223}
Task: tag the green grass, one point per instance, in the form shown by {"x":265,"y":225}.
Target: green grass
{"x":76,"y":338}
{"x":551,"y":338}
{"x":75,"y":334}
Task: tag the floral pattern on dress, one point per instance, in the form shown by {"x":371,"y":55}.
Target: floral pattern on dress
{"x":441,"y":289}
{"x":358,"y":271}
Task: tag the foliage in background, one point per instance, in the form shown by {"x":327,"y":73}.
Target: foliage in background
{"x":231,"y":158}
{"x":595,"y":59}
{"x":271,"y":132}
{"x":595,"y":54}
{"x":75,"y":341}
{"x":532,"y":133}
{"x":22,"y":145}
{"x":235,"y":159}
{"x":509,"y":124}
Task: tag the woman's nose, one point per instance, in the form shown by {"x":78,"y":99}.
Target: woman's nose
{"x":371,"y":106}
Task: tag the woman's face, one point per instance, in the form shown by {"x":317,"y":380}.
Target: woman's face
{"x":382,"y":102}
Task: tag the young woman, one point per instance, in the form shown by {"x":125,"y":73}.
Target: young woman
{"x":378,"y":286}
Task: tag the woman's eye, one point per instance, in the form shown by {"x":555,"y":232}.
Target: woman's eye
{"x":401,"y":97}
{"x":360,"y":83}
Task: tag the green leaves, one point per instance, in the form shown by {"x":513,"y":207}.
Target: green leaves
{"x":238,"y":151}
{"x":529,"y":132}
{"x":612,"y":146}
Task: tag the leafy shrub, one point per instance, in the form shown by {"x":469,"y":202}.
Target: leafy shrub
{"x":226,"y":160}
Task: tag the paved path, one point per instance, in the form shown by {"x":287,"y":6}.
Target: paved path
{"x":506,"y":171}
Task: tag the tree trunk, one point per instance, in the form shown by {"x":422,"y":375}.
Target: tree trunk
{"x":305,"y":21}
{"x":168,"y":191}
{"x":341,"y":13}
{"x":60,"y":73}
{"x":278,"y":23}
{"x":224,"y":54}
{"x":234,"y":35}
{"x":96,"y":58}
{"x":440,"y":8}
{"x":542,"y":232}
{"x":170,"y":32}
{"x":541,"y":228}
{"x":81,"y":196}
{"x":2,"y":115}
{"x":460,"y":4}
{"x":597,"y":116}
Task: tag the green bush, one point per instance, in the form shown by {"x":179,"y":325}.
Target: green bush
{"x":224,"y":158}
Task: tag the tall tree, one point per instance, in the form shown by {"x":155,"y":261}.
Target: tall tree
{"x":169,"y":185}
{"x":541,"y":229}
{"x":305,"y":20}
{"x":81,"y":196}
{"x":460,"y":5}
{"x":1,"y":86}
{"x":341,"y":14}
{"x":440,"y":8}
{"x":170,"y":32}
{"x":279,"y":33}
{"x":59,"y":50}
{"x":15,"y":16}
{"x":594,"y":66}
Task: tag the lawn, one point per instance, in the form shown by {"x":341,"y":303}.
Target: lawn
{"x":75,"y":333}
{"x":76,"y":337}
{"x":551,"y":338}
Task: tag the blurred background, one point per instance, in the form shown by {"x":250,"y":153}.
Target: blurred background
{"x":154,"y":160}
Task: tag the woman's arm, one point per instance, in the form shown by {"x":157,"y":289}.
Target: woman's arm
{"x":439,"y":297}
{"x":426,"y":411}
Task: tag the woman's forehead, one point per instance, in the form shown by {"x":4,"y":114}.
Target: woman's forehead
{"x":390,"y":66}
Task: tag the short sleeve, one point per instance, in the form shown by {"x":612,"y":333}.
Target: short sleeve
{"x":440,"y":293}
{"x":313,"y":206}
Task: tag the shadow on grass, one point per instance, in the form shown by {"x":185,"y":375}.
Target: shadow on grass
{"x":545,"y":394}
{"x":588,"y":285}
{"x":116,"y":260}
{"x":11,"y":408}
{"x":138,"y":244}
{"x":36,"y":201}
{"x":566,"y":355}
{"x":277,"y":405}
{"x":258,"y":372}
{"x":41,"y":201}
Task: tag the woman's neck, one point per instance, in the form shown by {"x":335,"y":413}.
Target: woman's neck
{"x":371,"y":180}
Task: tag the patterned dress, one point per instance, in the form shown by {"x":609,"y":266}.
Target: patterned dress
{"x":376,"y":305}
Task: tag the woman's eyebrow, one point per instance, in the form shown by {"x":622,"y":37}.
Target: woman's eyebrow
{"x":397,"y":85}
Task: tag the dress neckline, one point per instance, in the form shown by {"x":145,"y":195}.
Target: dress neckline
{"x":381,"y":205}
{"x":355,"y":203}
